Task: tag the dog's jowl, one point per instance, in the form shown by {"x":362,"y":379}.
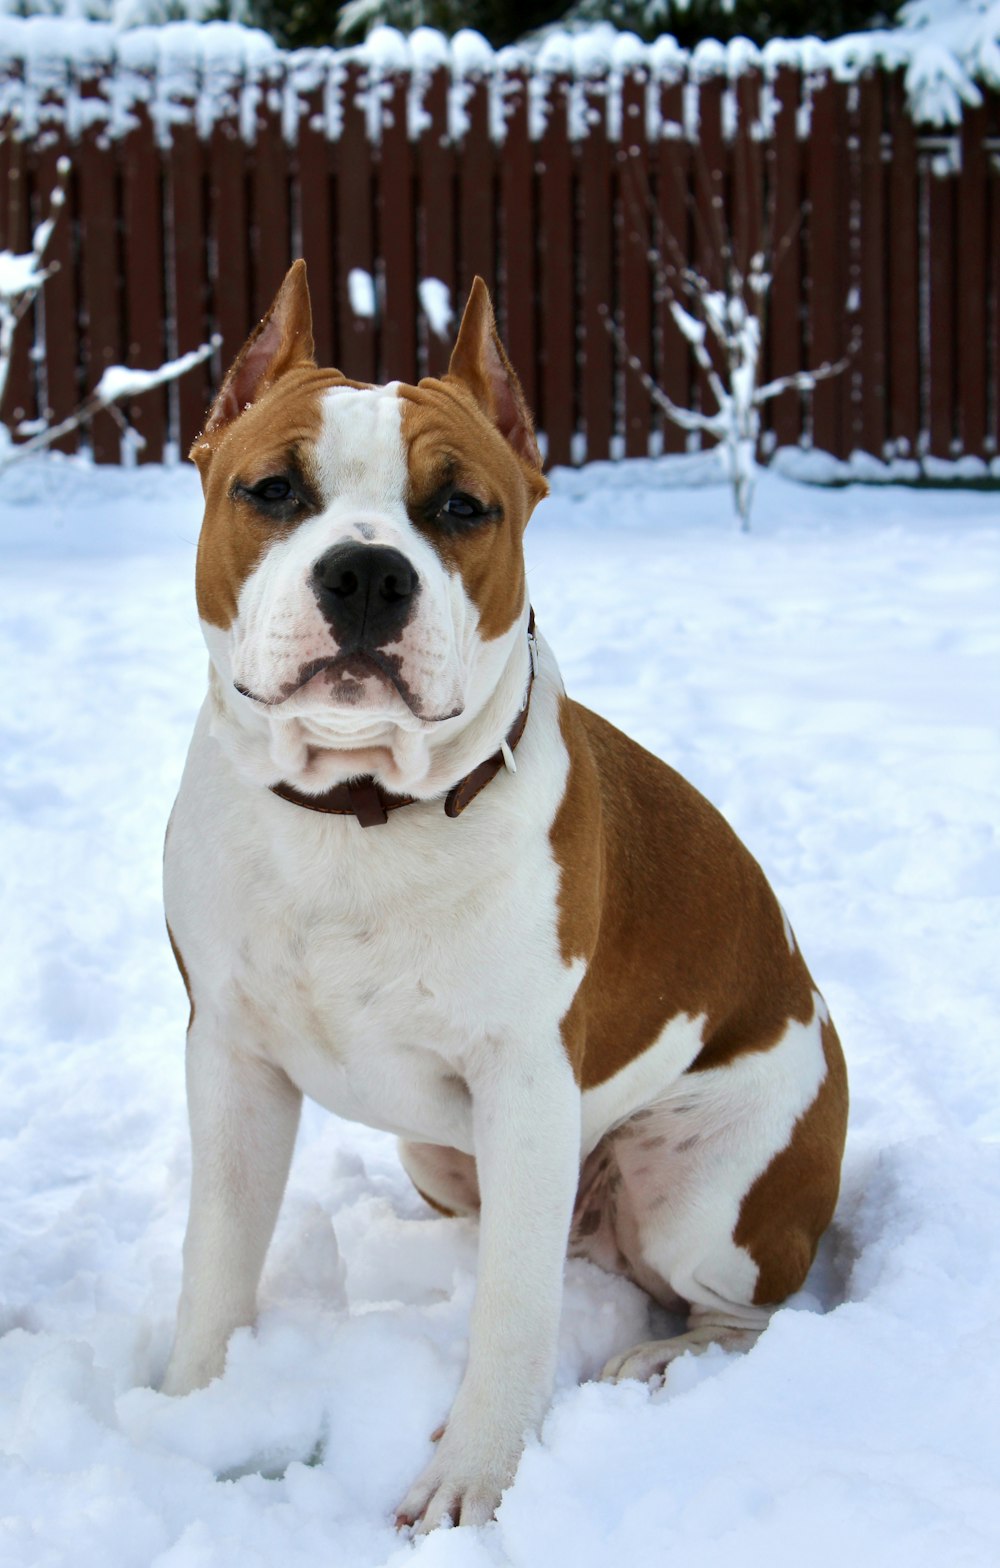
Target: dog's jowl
{"x":410,"y":877}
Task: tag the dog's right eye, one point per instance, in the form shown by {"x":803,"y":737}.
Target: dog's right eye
{"x":273,"y":489}
{"x":278,"y":498}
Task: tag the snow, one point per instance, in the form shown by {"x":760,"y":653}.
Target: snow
{"x":830,"y":681}
{"x":22,"y":274}
{"x":125,"y":381}
{"x":361,"y":292}
{"x":435,"y":301}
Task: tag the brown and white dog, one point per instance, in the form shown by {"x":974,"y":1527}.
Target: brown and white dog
{"x":408,"y":876}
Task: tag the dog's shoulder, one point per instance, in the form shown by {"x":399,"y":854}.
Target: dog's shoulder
{"x":642,"y":820}
{"x":669,"y":910}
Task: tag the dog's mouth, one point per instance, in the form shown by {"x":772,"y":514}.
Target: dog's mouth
{"x":347,"y":678}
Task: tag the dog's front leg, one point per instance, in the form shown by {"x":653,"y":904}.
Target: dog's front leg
{"x":526,"y":1122}
{"x":244,"y":1115}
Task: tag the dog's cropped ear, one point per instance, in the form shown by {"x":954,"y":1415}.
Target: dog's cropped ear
{"x":281,"y":340}
{"x":478,"y":360}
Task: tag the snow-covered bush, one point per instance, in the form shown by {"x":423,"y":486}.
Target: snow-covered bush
{"x":724,"y":325}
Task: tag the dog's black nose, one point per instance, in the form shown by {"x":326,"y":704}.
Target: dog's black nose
{"x":366,"y":592}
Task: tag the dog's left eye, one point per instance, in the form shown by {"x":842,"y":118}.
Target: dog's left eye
{"x":463,"y":506}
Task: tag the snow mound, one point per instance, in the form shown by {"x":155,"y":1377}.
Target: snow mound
{"x":830,"y":682}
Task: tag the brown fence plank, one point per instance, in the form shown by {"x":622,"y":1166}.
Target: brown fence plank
{"x":973,"y":336}
{"x":397,"y":222}
{"x":228,"y":178}
{"x":747,"y":191}
{"x":518,"y":242}
{"x":939,"y":196}
{"x":711,"y":238}
{"x":270,"y":224}
{"x":477,"y":204}
{"x":63,"y":390}
{"x":597,"y":259}
{"x":314,"y":184}
{"x":903,"y":244}
{"x":747,"y":174}
{"x":355,"y":230}
{"x":435,"y":158}
{"x":672,"y":241}
{"x":145,"y":289}
{"x":636,"y":285}
{"x":828,"y":233}
{"x":557,"y":282}
{"x":710,"y":228}
{"x":100,"y":271}
{"x":786,"y":349}
{"x":847,"y":385}
{"x":185,"y":167}
{"x":870,"y":430}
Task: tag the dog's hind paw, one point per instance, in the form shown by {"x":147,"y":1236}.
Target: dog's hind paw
{"x":649,"y":1362}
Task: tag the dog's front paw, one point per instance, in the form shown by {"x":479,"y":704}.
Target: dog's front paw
{"x":458,"y":1487}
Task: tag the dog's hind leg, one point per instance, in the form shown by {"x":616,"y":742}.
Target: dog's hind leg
{"x":445,"y":1178}
{"x":244,"y":1115}
{"x":727,"y":1186}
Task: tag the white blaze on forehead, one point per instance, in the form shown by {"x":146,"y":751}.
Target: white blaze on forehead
{"x":360,"y":456}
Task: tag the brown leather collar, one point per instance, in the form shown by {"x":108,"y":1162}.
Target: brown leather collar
{"x":367,"y":800}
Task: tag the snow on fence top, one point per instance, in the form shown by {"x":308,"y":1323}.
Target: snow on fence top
{"x":79,"y":74}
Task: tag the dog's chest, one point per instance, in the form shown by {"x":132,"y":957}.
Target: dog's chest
{"x":381,"y":984}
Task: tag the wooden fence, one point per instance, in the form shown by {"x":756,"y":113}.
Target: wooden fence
{"x":887,"y":243}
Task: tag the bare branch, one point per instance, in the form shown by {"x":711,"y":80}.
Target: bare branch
{"x":686,"y":418}
{"x":802,"y":380}
{"x":117,"y":382}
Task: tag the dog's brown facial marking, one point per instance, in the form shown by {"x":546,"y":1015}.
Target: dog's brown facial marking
{"x":254,"y":454}
{"x":259,"y":485}
{"x":474,"y":467}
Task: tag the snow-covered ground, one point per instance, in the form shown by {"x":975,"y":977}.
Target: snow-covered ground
{"x":832,"y":682}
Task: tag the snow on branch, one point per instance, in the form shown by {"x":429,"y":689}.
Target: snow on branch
{"x":21,"y":277}
{"x":118,"y":381}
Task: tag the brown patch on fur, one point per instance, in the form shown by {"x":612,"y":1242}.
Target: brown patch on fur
{"x":669,"y":910}
{"x":791,"y":1203}
{"x":262,"y":423}
{"x":450,"y":440}
{"x":178,"y":960}
{"x":271,"y":434}
{"x":473,"y":431}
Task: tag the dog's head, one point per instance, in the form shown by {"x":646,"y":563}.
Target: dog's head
{"x":360,"y":574}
